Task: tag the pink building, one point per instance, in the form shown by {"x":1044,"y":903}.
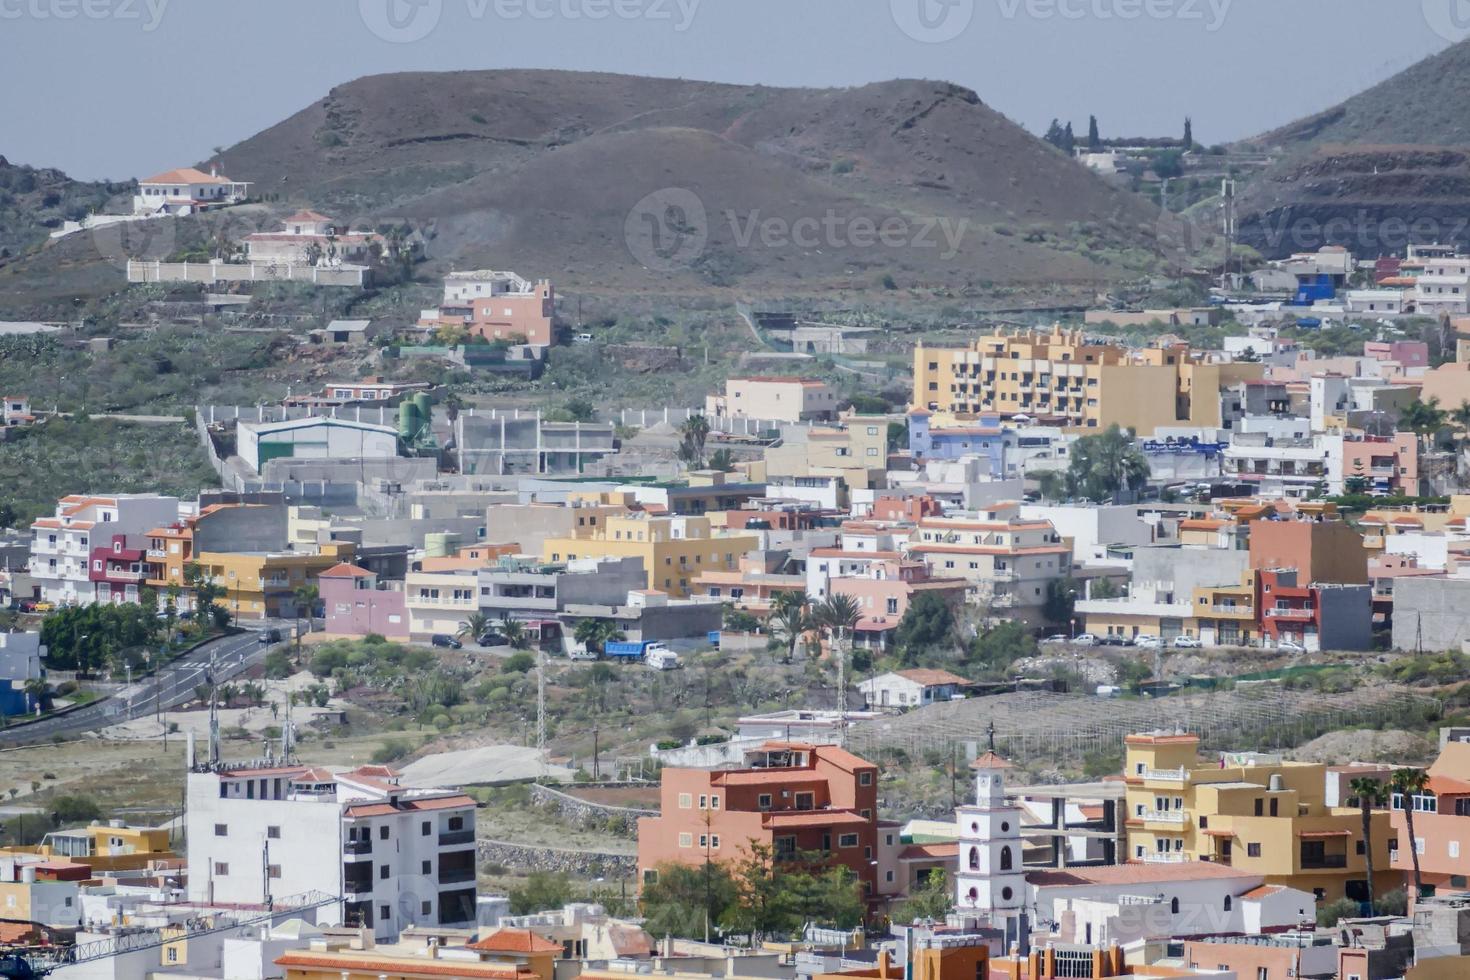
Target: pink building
{"x":496,"y":306}
{"x":1390,"y":465}
{"x":1409,"y":353}
{"x":116,"y":571}
{"x":884,"y":593}
{"x":357,"y":604}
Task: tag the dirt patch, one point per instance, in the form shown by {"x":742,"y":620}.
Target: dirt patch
{"x":1366,"y":745}
{"x":638,"y":797}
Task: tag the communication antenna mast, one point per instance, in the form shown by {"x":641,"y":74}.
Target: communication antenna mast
{"x":541,"y":707}
{"x":1227,"y":193}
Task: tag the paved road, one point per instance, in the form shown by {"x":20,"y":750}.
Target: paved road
{"x":170,"y":687}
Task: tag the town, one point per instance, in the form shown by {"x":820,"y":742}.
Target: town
{"x":864,"y":540}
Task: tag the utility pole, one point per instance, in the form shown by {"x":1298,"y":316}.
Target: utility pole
{"x":541,"y":708}
{"x":841,"y":690}
{"x":596,"y":764}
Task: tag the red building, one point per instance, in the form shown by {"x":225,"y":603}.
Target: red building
{"x":117,"y":571}
{"x":1317,"y":616}
{"x":793,"y":798}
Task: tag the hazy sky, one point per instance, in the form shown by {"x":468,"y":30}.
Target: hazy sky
{"x":120,"y":88}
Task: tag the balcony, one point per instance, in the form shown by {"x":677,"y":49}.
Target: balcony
{"x":358,"y":847}
{"x":1239,"y":612}
{"x":1176,"y":817}
{"x":454,"y":876}
{"x":1166,"y":775}
{"x":1162,"y":857}
{"x":452,"y":837}
{"x":1324,"y":861}
{"x":423,"y":600}
{"x":1283,"y":612}
{"x":156,"y":553}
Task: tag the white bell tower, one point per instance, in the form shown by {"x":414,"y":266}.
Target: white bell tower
{"x":990,"y":876}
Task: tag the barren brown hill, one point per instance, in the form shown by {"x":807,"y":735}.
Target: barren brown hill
{"x":539,"y":170}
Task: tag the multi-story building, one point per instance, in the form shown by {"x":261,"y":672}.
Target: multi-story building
{"x":1388,"y":466}
{"x":754,"y":586}
{"x":1257,"y":813}
{"x":1320,"y":550}
{"x":112,"y":846}
{"x":176,"y":544}
{"x":263,"y":585}
{"x":773,"y":399}
{"x":885,"y":590}
{"x":674,"y":550}
{"x":496,"y":306}
{"x":1443,"y":286}
{"x":357,"y":603}
{"x":117,"y":570}
{"x":1008,"y":562}
{"x":1441,"y":823}
{"x":1280,"y":456}
{"x":439,"y":602}
{"x":1061,"y":378}
{"x":1316,"y":616}
{"x":15,"y":410}
{"x":856,"y":451}
{"x":307,"y":237}
{"x":61,"y":546}
{"x":527,"y":590}
{"x":397,"y":856}
{"x":788,"y":797}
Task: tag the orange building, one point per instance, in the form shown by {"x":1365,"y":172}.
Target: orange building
{"x":1441,"y":823}
{"x":1321,"y":551}
{"x":790,"y":797}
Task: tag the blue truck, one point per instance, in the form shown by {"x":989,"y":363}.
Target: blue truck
{"x":629,"y":650}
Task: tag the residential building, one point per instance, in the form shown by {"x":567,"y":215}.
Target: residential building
{"x":1279,"y":455}
{"x":357,"y":603}
{"x":527,"y":589}
{"x":309,"y":238}
{"x":647,"y":614}
{"x":369,"y":391}
{"x":912,"y":688}
{"x":856,"y":451}
{"x":754,"y":586}
{"x":1442,"y":288}
{"x":885,"y":589}
{"x":1386,"y":466}
{"x":1254,"y":812}
{"x":101,"y":847}
{"x":1441,"y":823}
{"x":398,"y":856}
{"x":61,"y":545}
{"x":20,"y":661}
{"x":788,"y":797}
{"x":774,"y":399}
{"x":674,"y":550}
{"x":1095,"y":531}
{"x":187,"y":191}
{"x":440,"y":602}
{"x":860,"y":545}
{"x":1322,"y":551}
{"x":15,"y":410}
{"x":1163,"y":596}
{"x":353,"y":333}
{"x":496,"y":306}
{"x":117,"y":571}
{"x":1061,"y":378}
{"x":1009,"y":562}
{"x":435,"y":956}
{"x":1317,"y":616}
{"x":175,"y":544}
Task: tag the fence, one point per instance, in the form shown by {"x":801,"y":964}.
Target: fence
{"x":738,"y":425}
{"x":217,"y":271}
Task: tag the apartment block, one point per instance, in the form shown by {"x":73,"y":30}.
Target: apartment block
{"x":1441,"y":823}
{"x":496,"y":306}
{"x":398,"y":856}
{"x":1254,"y":812}
{"x":61,"y":545}
{"x":789,"y":797}
{"x":675,"y":550}
{"x":357,"y":603}
{"x":774,"y":399}
{"x":1008,"y":562}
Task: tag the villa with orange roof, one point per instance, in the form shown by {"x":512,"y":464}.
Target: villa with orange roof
{"x":61,"y":545}
{"x":15,"y":410}
{"x":187,"y":191}
{"x":398,"y":856}
{"x":789,"y":797}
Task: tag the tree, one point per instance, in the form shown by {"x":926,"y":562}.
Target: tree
{"x":1425,"y":419}
{"x":542,"y":891}
{"x":789,"y":621}
{"x":1358,"y":483}
{"x":693,"y":434}
{"x":928,"y":622}
{"x":580,"y":410}
{"x":1069,"y":141}
{"x":1409,"y":783}
{"x":596,"y":634}
{"x":515,"y":632}
{"x":722,"y":460}
{"x":687,"y":898}
{"x":1369,"y":793}
{"x":1106,"y":465}
{"x":1052,"y":485}
{"x":1061,"y":601}
{"x":1103,"y":588}
{"x":473,"y":626}
{"x":206,"y":592}
{"x":1168,"y":164}
{"x":1055,"y":135}
{"x":1094,"y":140}
{"x":1002,"y":645}
{"x":933,"y":899}
{"x":1188,"y":133}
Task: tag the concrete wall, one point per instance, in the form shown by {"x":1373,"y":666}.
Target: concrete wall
{"x":1431,"y":611}
{"x":1346,"y":617}
{"x":1188,"y":568}
{"x":243,"y":529}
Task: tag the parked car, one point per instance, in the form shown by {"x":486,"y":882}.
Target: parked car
{"x":492,"y":639}
{"x":1186,"y":643}
{"x":1290,"y":646}
{"x":445,"y":640}
{"x":1085,"y":640}
{"x":267,"y":637}
{"x":1057,"y":638}
{"x":1146,"y":640}
{"x":44,"y":607}
{"x":1112,"y":640}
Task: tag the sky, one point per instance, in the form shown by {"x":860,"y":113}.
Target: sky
{"x":126,"y":88}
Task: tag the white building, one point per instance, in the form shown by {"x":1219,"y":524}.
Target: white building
{"x":396,"y":856}
{"x":314,"y":438}
{"x":912,"y":688}
{"x":187,"y":191}
{"x":1281,"y":456}
{"x":462,"y":288}
{"x":1091,"y":529}
{"x":1384,"y":302}
{"x":1443,"y":287}
{"x":307,"y":237}
{"x":15,"y":410}
{"x":20,"y":656}
{"x":61,"y":546}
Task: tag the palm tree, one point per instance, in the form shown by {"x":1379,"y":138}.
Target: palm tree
{"x":789,"y":620}
{"x":1051,"y":484}
{"x":474,"y":626}
{"x":1460,"y":419}
{"x":1409,"y":783}
{"x":596,"y":634}
{"x":722,"y":460}
{"x":515,"y":632}
{"x":36,"y":689}
{"x":837,"y":616}
{"x":1426,"y":420}
{"x":693,"y":433}
{"x":1369,"y":792}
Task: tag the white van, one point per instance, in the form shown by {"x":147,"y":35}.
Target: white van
{"x":660,"y":657}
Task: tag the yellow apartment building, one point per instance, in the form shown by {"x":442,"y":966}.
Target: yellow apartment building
{"x":1253,"y":812}
{"x":438,"y":601}
{"x":856,"y":451}
{"x":675,"y":550}
{"x":1058,"y":377}
{"x":262,"y":585}
{"x":104,"y":847}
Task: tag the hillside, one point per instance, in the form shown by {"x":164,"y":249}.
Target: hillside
{"x":35,"y":200}
{"x":1388,"y":166}
{"x":540,"y":171}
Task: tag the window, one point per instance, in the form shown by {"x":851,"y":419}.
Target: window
{"x":426,"y":908}
{"x":714,"y":802}
{"x":686,"y":840}
{"x":703,"y":802}
{"x":1005,"y":859}
{"x":383,"y":872}
{"x":847,"y":840}
{"x":273,"y":833}
{"x":1260,"y":807}
{"x":221,"y":830}
{"x":1253,"y":850}
{"x":1228,"y":903}
{"x":865,"y":779}
{"x":424,"y":867}
{"x":714,"y":841}
{"x":384,"y":913}
{"x":1274,"y":802}
{"x":685,"y":801}
{"x":763,"y":802}
{"x":455,"y":823}
{"x":221,"y":869}
{"x":383,"y":832}
{"x":424,"y":829}
{"x":650,"y":876}
{"x":273,"y":870}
